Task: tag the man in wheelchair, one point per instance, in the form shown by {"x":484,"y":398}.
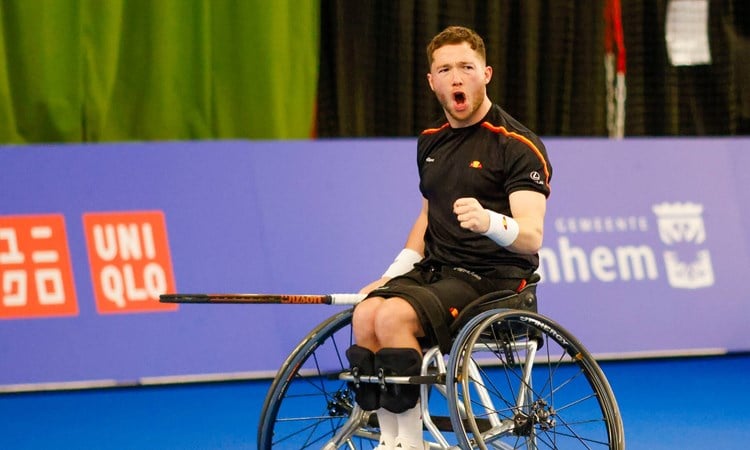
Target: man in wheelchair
{"x":484,"y":179}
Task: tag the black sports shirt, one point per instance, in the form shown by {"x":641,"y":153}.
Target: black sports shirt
{"x":487,"y":161}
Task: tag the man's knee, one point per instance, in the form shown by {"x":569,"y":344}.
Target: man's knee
{"x":363,"y":317}
{"x":394,"y":316}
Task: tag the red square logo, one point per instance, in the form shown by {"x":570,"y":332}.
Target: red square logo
{"x":36,"y":276}
{"x":130,"y":261}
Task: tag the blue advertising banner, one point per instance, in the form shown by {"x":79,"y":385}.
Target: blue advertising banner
{"x":644,"y":250}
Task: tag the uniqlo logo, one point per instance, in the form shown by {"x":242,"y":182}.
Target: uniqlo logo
{"x":130,"y":261}
{"x":36,"y":278}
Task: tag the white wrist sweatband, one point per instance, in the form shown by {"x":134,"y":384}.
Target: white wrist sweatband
{"x":403,"y":263}
{"x":503,"y":229}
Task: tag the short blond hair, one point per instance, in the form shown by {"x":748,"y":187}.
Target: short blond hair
{"x":456,"y":35}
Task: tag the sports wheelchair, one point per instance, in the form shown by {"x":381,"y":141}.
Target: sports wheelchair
{"x":512,"y":379}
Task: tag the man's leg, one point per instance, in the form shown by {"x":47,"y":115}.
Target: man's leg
{"x":397,"y":327}
{"x":392,"y":323}
{"x":362,"y":363}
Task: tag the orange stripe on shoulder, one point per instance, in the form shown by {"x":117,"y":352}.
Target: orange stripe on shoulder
{"x":435,"y":130}
{"x":525,"y":140}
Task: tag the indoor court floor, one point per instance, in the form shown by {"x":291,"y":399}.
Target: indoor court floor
{"x":669,"y":403}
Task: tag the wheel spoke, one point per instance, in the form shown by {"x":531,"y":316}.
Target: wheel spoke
{"x":566,"y":400}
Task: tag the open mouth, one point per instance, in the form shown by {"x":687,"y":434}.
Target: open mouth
{"x":459,"y":98}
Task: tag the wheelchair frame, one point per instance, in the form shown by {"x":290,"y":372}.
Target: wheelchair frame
{"x":512,"y":380}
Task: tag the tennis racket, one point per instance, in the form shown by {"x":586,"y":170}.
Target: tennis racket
{"x":264,"y":299}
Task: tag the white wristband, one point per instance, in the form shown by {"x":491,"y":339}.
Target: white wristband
{"x":403,"y":263}
{"x":503,"y":229}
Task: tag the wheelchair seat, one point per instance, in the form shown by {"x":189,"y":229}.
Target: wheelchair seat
{"x":524,"y":299}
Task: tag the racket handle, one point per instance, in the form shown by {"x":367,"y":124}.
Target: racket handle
{"x":346,"y":299}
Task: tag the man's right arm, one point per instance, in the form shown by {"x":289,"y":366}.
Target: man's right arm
{"x":413,"y":251}
{"x":415,"y":240}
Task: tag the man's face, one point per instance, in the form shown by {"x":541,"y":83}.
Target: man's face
{"x":459,"y":79}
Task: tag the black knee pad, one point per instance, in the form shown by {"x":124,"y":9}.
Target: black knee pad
{"x":398,"y":398}
{"x":362,"y":363}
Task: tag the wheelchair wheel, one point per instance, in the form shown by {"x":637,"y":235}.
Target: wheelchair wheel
{"x":518,"y":380}
{"x":307,"y":404}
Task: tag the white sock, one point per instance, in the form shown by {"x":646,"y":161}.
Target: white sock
{"x":388,"y":428}
{"x":410,"y":434}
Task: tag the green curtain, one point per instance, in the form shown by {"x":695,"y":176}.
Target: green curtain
{"x":117,"y":70}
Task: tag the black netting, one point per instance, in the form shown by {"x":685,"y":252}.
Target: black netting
{"x":548,"y":61}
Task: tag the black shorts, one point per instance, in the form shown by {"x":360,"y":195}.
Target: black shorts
{"x":439,"y":294}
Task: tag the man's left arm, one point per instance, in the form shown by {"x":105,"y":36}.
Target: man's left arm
{"x":528,"y":209}
{"x":521,"y":233}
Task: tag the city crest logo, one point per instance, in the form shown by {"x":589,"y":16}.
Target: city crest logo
{"x":681,"y":227}
{"x":671,"y":243}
